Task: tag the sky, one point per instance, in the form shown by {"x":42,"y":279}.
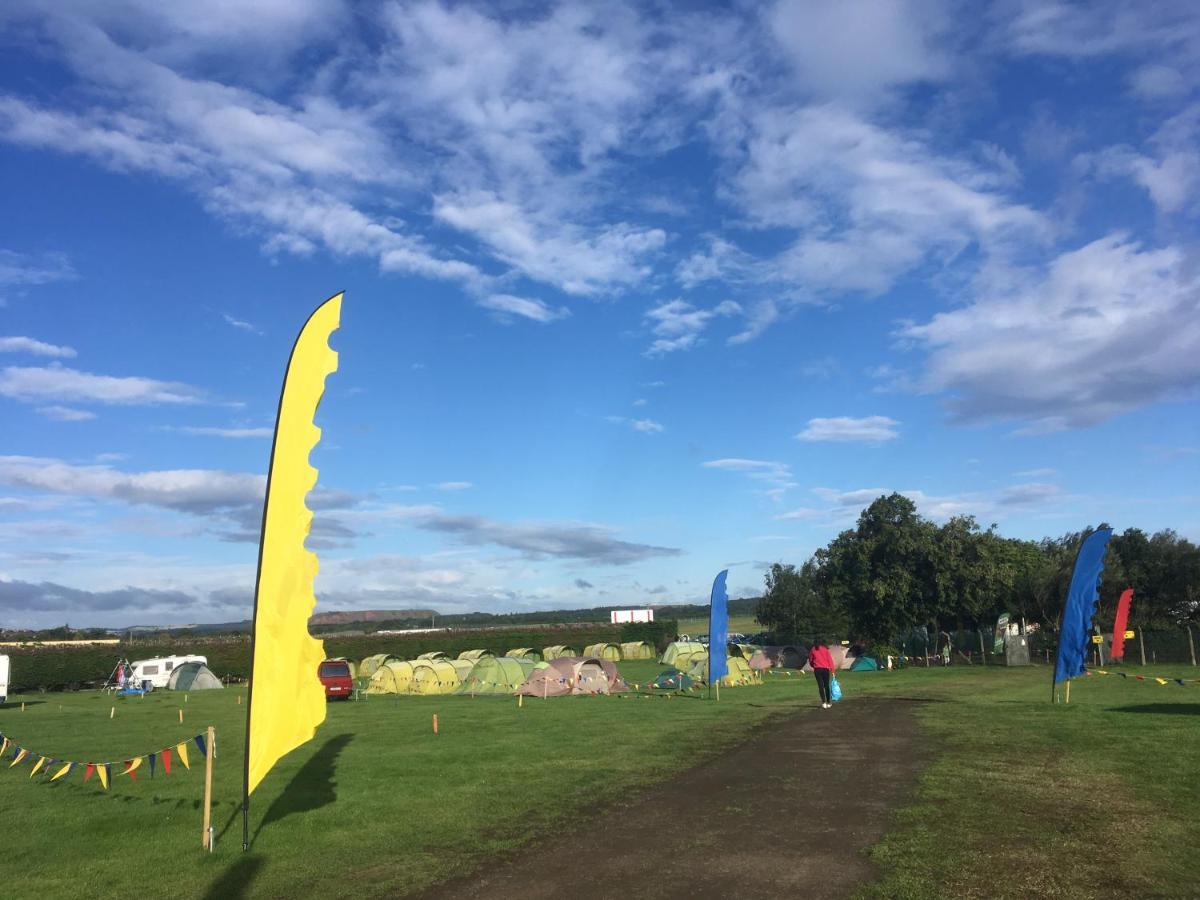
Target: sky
{"x":633,"y":292}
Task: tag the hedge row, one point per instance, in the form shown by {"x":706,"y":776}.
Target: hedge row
{"x":53,"y":668}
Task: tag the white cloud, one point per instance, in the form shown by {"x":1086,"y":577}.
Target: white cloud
{"x":869,"y":429}
{"x":23,"y":269}
{"x":239,"y":324}
{"x":1169,"y":172}
{"x":777,"y":475}
{"x":1104,"y":329}
{"x":645,"y":426}
{"x":58,"y":383}
{"x":678,"y":325}
{"x":507,"y":306}
{"x":34,"y":347}
{"x":225,"y":432}
{"x":453,"y":485}
{"x":65,"y":413}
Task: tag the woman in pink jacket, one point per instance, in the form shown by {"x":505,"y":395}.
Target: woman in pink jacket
{"x":821,"y":661}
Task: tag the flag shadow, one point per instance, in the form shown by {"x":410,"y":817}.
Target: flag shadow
{"x":312,"y":787}
{"x":1162,"y":709}
{"x":236,"y":879}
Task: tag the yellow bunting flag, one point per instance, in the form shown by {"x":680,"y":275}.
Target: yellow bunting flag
{"x":287,"y":700}
{"x":181,"y":749}
{"x":131,"y":766}
{"x":63,"y":771}
{"x":37,"y":765}
{"x":1161,"y":680}
{"x":21,"y":754}
{"x":3,"y":746}
{"x":102,"y":771}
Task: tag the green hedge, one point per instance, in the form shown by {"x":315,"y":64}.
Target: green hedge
{"x":658,"y":633}
{"x":55,"y":668}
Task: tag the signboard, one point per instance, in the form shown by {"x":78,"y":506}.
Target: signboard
{"x":1129,"y":634}
{"x":1001,"y":631}
{"x":621,"y":616}
{"x":1097,"y":639}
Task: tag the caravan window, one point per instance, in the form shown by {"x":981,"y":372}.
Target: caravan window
{"x":149,"y":670}
{"x":169,"y":666}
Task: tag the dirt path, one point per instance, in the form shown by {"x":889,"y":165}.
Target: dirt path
{"x":815,"y":790}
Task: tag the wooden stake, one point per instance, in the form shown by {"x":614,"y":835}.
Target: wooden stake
{"x":520,"y":700}
{"x":181,"y":716}
{"x":718,"y":686}
{"x":112,"y":712}
{"x":1068,"y":700}
{"x":1141,"y":647}
{"x":208,"y":764}
{"x":23,"y":706}
{"x":1191,"y":644}
{"x":435,"y":723}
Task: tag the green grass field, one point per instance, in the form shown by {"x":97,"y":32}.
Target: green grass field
{"x":1066,"y":800}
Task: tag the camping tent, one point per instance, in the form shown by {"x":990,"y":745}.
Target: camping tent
{"x":637,"y":650}
{"x":672,"y":680}
{"x":864,"y":664}
{"x":433,"y":654}
{"x":604,"y":651}
{"x":739,"y":674}
{"x":193,"y":676}
{"x":367,"y":667}
{"x":434,"y":676}
{"x":475,"y":655}
{"x":526,"y":652}
{"x":393,"y":677}
{"x":573,"y":675}
{"x":497,"y":675}
{"x":786,"y":656}
{"x":840,"y":658}
{"x":759,"y":661}
{"x":680,"y":653}
{"x":747,"y":651}
{"x":557,"y":651}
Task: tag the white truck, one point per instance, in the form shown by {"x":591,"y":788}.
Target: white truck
{"x":3,"y":678}
{"x":158,"y":671}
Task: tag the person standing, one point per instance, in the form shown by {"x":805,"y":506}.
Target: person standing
{"x":821,"y":661}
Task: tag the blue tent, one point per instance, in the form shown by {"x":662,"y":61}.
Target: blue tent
{"x":865,"y":664}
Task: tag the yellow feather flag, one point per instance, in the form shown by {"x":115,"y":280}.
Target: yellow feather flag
{"x":37,"y":765}
{"x":63,"y":771}
{"x":181,"y":750}
{"x":21,"y":754}
{"x":102,"y":771}
{"x":287,"y":701}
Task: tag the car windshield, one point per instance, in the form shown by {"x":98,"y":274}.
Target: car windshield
{"x":335,"y":670}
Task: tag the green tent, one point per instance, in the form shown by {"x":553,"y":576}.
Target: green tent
{"x":637,"y":650}
{"x":680,"y":653}
{"x":193,"y":676}
{"x":393,"y":677}
{"x":434,"y":676}
{"x":672,"y":680}
{"x":433,"y":654}
{"x":557,"y":651}
{"x":740,"y":672}
{"x":367,"y":667}
{"x":524,"y":652}
{"x":611,"y":652}
{"x":864,"y":664}
{"x":475,"y":655}
{"x":497,"y":675}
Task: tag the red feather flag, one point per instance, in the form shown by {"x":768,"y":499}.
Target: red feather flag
{"x":1118,"y":642}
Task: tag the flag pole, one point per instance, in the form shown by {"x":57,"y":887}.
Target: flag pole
{"x":206,"y":837}
{"x":262,"y":541}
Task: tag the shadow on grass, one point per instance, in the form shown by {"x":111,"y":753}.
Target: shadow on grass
{"x":312,"y":787}
{"x":15,"y":705}
{"x":236,"y":879}
{"x":1162,"y":709}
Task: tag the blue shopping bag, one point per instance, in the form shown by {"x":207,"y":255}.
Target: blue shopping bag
{"x":835,"y":689}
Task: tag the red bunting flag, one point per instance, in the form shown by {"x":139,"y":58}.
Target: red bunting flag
{"x":166,"y":758}
{"x":89,"y":771}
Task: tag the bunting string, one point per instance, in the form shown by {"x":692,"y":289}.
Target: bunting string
{"x":1158,"y":678}
{"x":61,"y":768}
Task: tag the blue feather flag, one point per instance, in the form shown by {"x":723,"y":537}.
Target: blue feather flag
{"x":1080,"y":606}
{"x":718,"y":630}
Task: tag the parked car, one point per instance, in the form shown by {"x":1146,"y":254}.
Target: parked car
{"x":335,"y":675}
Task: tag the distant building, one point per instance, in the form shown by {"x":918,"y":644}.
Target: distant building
{"x":621,"y":616}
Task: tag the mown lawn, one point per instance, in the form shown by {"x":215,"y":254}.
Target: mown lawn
{"x":1103,"y":791}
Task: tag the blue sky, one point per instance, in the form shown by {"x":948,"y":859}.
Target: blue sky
{"x":632,"y":293}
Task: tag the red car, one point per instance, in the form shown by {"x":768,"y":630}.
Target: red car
{"x":335,"y":675}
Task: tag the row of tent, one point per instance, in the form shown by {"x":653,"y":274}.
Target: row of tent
{"x":611,"y":652}
{"x":497,"y":675}
{"x":682,"y":654}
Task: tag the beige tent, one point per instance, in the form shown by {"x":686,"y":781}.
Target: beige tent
{"x":573,"y":675}
{"x":786,"y":656}
{"x":840,"y":658}
{"x":557,"y":651}
{"x":637,"y":650}
{"x":604,"y":651}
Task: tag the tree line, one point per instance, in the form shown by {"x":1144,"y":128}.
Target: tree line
{"x":897,"y":571}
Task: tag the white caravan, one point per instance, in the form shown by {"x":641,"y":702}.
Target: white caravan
{"x":3,"y":678}
{"x":158,"y":671}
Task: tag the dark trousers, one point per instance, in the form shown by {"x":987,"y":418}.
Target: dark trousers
{"x":823,"y":684}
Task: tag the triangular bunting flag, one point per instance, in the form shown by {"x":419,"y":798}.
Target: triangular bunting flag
{"x":166,"y":756}
{"x":1180,"y":680}
{"x":200,"y":743}
{"x":181,"y":749}
{"x":3,"y":745}
{"x":1161,"y":680}
{"x":37,"y":765}
{"x":151,"y":759}
{"x":63,"y":771}
{"x":18,"y":756}
{"x":104,"y":770}
{"x":87,"y":773}
{"x":131,"y":766}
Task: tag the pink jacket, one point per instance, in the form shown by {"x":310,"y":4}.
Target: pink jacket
{"x":820,"y":658}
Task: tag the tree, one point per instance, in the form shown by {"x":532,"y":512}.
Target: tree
{"x":791,"y":606}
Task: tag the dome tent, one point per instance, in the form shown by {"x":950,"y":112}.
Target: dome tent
{"x":786,"y":656}
{"x":573,"y":675}
{"x":557,"y":651}
{"x":524,"y":652}
{"x":637,"y":650}
{"x":475,"y":655}
{"x":864,"y":664}
{"x":680,"y":653}
{"x":433,"y":654}
{"x":739,"y":674}
{"x":368,"y":666}
{"x":497,"y":675}
{"x":393,"y":677}
{"x":672,"y":680}
{"x":193,"y":676}
{"x":434,"y":676}
{"x":610,"y":652}
{"x":841,"y":659}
